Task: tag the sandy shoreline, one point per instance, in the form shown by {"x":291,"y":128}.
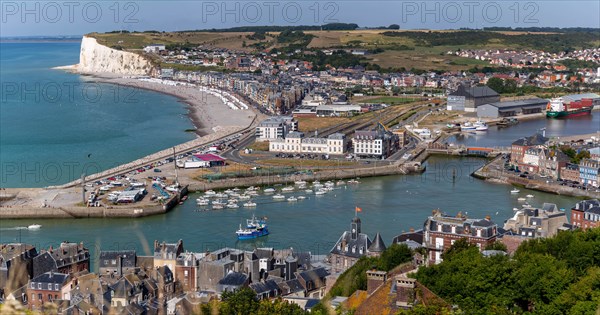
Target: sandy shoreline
{"x":207,"y":113}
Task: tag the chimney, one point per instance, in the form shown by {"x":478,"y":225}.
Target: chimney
{"x":375,"y":279}
{"x":487,"y":217}
{"x":411,"y":230}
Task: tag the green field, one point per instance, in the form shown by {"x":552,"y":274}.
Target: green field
{"x":423,"y":50}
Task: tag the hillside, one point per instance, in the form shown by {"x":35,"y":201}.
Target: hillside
{"x":387,"y":48}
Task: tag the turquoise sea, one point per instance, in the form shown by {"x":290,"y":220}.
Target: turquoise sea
{"x":37,"y":134}
{"x":55,"y":125}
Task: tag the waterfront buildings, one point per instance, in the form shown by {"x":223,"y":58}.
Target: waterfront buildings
{"x":586,"y":214}
{"x":511,"y":108}
{"x":378,"y":143}
{"x":275,"y":127}
{"x":296,"y":142}
{"x":441,"y":231}
{"x":588,"y":172}
{"x":537,"y":222}
{"x":570,"y":172}
{"x":519,"y":149}
{"x":351,"y":246}
{"x":469,"y":98}
{"x":202,"y":160}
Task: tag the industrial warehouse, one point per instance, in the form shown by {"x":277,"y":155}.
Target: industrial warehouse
{"x":511,"y":108}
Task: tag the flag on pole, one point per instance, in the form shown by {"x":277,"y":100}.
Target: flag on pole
{"x":358,"y":209}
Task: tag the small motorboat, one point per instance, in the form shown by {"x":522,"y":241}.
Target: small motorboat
{"x":320,"y":192}
{"x":217,"y":206}
{"x":250,"y":204}
{"x":34,"y":227}
{"x":308,"y":191}
{"x":232,"y":206}
{"x":292,"y":199}
{"x":301,"y":197}
{"x":269,"y":190}
{"x":514,"y":191}
{"x":287,"y":189}
{"x":202,"y":202}
{"x":340,"y":182}
{"x":521,"y":199}
{"x":529,"y":196}
{"x":279,"y":197}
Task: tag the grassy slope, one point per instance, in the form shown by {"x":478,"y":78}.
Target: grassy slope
{"x":400,"y":51}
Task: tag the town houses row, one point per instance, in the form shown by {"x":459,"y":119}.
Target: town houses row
{"x":277,"y":83}
{"x":538,"y":155}
{"x":283,"y":136}
{"x":174,"y":280}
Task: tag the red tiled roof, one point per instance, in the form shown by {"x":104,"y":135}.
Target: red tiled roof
{"x":209,"y":157}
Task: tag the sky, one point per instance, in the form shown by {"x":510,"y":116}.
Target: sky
{"x":53,"y":18}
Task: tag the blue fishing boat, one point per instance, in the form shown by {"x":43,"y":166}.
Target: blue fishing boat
{"x":254,"y":228}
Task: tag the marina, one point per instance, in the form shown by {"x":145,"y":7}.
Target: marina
{"x":390,"y":204}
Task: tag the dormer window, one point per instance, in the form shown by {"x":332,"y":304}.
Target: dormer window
{"x":39,"y":286}
{"x":49,"y":286}
{"x":56,"y":287}
{"x":33,"y":285}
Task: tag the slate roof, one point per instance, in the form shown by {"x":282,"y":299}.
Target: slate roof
{"x":127,"y":258}
{"x":474,"y":92}
{"x":536,"y":139}
{"x":168,"y":250}
{"x":264,"y":287}
{"x":362,"y":241}
{"x":291,"y":286}
{"x":12,"y":250}
{"x":317,"y":276}
{"x":234,"y":279}
{"x":377,"y":246}
{"x":416,"y":236}
{"x":51,"y":277}
{"x":592,"y":205}
{"x":43,"y":263}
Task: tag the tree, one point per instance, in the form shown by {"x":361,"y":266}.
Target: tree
{"x":496,"y":84}
{"x":239,"y":302}
{"x":458,"y":246}
{"x":394,"y":27}
{"x":278,"y":306}
{"x":394,"y":256}
{"x":497,"y":245}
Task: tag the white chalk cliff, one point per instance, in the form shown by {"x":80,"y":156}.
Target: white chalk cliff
{"x":97,"y":58}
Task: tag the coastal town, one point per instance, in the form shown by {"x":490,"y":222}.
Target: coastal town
{"x":319,"y":181}
{"x":176,"y":280}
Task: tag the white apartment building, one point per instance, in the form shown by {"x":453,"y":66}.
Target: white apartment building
{"x":374,"y":143}
{"x":295,"y":142}
{"x":275,"y":127}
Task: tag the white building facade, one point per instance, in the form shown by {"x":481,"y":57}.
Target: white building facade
{"x":275,"y":127}
{"x":295,"y":142}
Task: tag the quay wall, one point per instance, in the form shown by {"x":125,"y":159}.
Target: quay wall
{"x":158,"y":156}
{"x":91,"y":212}
{"x":79,"y":212}
{"x":491,"y":172}
{"x":393,"y":169}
